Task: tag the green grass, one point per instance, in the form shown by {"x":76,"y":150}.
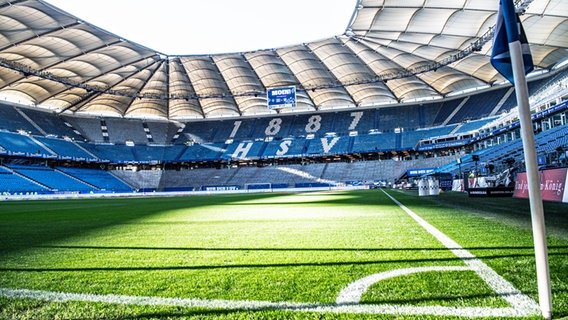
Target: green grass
{"x":267,"y":247}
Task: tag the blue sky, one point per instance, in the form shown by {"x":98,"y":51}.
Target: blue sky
{"x":220,"y":26}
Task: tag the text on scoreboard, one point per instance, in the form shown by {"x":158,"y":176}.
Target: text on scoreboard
{"x":284,"y":97}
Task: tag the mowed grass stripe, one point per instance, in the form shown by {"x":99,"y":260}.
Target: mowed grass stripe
{"x":283,"y":248}
{"x":422,"y":311}
{"x":298,"y":248}
{"x":502,"y":287}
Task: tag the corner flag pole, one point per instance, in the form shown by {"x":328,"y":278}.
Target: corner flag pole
{"x":533,"y":179}
{"x":512,"y":58}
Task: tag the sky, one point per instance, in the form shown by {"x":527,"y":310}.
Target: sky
{"x":177,"y":27}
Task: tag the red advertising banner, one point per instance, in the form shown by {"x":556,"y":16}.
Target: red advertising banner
{"x":552,"y":185}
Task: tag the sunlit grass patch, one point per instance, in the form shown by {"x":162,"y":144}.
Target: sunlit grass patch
{"x":302,"y":248}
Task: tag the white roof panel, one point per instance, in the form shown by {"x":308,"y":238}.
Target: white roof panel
{"x":391,"y":51}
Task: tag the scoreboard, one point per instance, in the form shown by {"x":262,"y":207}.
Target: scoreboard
{"x":284,"y":97}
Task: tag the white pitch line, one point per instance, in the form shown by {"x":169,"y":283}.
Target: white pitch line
{"x":354,"y":291}
{"x":521,"y":305}
{"x":502,"y":287}
{"x":245,"y":305}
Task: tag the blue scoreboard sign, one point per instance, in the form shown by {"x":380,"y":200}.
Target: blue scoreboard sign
{"x":284,"y":97}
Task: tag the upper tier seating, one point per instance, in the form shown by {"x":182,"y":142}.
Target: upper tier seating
{"x":12,"y":120}
{"x":547,"y":141}
{"x":52,"y":124}
{"x":65,"y":148}
{"x":90,"y":128}
{"x":17,"y":143}
{"x":479,"y":105}
{"x":328,"y":145}
{"x":144,"y":180}
{"x":286,"y":148}
{"x":365,"y":143}
{"x":122,"y":130}
{"x":473,"y":125}
{"x":358,"y":130}
{"x":118,"y":153}
{"x":202,"y":152}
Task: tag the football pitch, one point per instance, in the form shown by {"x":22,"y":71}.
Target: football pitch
{"x":363,"y":254}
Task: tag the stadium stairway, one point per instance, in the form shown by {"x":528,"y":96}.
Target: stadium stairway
{"x":455,"y":111}
{"x":85,"y":149}
{"x":92,"y":186}
{"x":24,"y":187}
{"x":502,"y":102}
{"x":143,"y":180}
{"x":41,"y":144}
{"x":35,"y":125}
{"x":458,"y":127}
{"x":325,"y":167}
{"x":398,"y":141}
{"x":54,"y":180}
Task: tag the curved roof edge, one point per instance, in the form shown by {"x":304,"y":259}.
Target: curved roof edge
{"x":389,"y":54}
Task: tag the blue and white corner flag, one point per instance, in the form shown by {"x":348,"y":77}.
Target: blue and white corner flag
{"x":512,"y":58}
{"x":509,"y":29}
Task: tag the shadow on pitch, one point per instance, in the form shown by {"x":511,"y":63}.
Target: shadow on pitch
{"x":436,"y":298}
{"x":287,"y":249}
{"x":275,"y":265}
{"x":29,"y":224}
{"x":268,"y":313}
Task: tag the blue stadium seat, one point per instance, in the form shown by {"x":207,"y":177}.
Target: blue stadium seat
{"x":65,"y":148}
{"x":357,"y":120}
{"x":55,"y":180}
{"x":90,"y":128}
{"x":316,"y":124}
{"x":203,"y":152}
{"x":328,"y":145}
{"x":243,"y":150}
{"x":446,"y":109}
{"x":200,"y":131}
{"x":474,"y":125}
{"x":12,"y":120}
{"x":13,"y":183}
{"x":121,"y":130}
{"x":101,"y":179}
{"x":365,"y":143}
{"x":480,"y":105}
{"x":121,"y":153}
{"x":150,"y":153}
{"x":52,"y":124}
{"x":399,"y":117}
{"x":17,"y":143}
{"x":411,"y":138}
{"x":276,"y":127}
{"x":285,"y":148}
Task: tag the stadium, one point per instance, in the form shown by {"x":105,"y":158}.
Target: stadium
{"x":319,"y":180}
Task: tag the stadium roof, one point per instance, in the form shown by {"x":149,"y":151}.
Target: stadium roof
{"x":392,"y":52}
